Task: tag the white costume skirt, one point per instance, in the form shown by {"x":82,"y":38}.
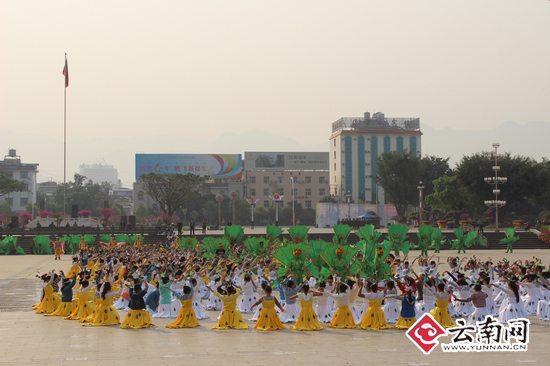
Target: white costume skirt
{"x":542,"y":310}
{"x":530,"y":303}
{"x":121,"y":303}
{"x":204,"y":292}
{"x":165,"y":311}
{"x":391,"y":310}
{"x":247,"y":300}
{"x":364,"y":309}
{"x":478,"y":315}
{"x":257,"y":312}
{"x":355,"y":313}
{"x":324,"y":313}
{"x":214,"y":303}
{"x":510,"y":312}
{"x":292,"y":311}
{"x":424,"y":306}
{"x":200,"y":313}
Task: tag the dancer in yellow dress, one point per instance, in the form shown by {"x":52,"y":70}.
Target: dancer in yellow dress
{"x":407,"y":317}
{"x":374,"y":318}
{"x":138,"y":317}
{"x":186,"y":317}
{"x":84,"y":307}
{"x":268,"y":318}
{"x":67,"y":305}
{"x":105,"y":313}
{"x":343,"y":317}
{"x":441,"y":311}
{"x":307,"y":320}
{"x":51,"y":300}
{"x":231,"y":317}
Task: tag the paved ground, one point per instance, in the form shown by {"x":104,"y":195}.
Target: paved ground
{"x":28,"y":338}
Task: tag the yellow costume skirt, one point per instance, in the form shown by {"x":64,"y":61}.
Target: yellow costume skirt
{"x":307,"y":320}
{"x":50,"y":302}
{"x":441,"y":314}
{"x":268,"y":319}
{"x":374,"y":318}
{"x":64,"y":308}
{"x":58,"y":252}
{"x":231,"y":317}
{"x":137,"y":319}
{"x":104,"y":314}
{"x":186,"y":317}
{"x":83,"y":309}
{"x":342,"y":318}
{"x":404,"y":323}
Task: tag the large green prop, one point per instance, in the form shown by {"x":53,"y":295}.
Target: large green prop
{"x":42,"y":245}
{"x":369,"y":234}
{"x":437,"y":239}
{"x":234,"y":234}
{"x":9,"y":246}
{"x":373,"y":262}
{"x":256,"y":246}
{"x":341,"y":234}
{"x":318,"y":265}
{"x":397,"y":234}
{"x":133,"y":238}
{"x":510,"y":239}
{"x":292,"y":258}
{"x":272,"y":233}
{"x":460,"y":240}
{"x":211,"y":245}
{"x":340,"y":260}
{"x":188,"y":244}
{"x":473,"y":238}
{"x":424,"y":238}
{"x":298,"y":233}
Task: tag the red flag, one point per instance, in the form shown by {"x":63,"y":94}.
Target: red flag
{"x":66,"y":72}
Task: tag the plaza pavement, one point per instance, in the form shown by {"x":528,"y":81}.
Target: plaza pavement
{"x":31,"y":339}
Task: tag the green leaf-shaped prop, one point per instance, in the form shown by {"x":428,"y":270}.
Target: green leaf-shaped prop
{"x":298,"y":233}
{"x":106,"y":238}
{"x":122,"y":238}
{"x":318,"y":264}
{"x":369,"y":234}
{"x":424,"y":238}
{"x":437,"y":239}
{"x":234,"y":234}
{"x":9,"y":246}
{"x":474,"y":239}
{"x":373,"y":262}
{"x":509,"y":239}
{"x":256,"y":246}
{"x":133,"y":238}
{"x":292,"y":258}
{"x":42,"y":245}
{"x":460,"y":240}
{"x":213,"y":244}
{"x":341,"y":233}
{"x":397,"y":235}
{"x":188,"y":243}
{"x":272,"y":233}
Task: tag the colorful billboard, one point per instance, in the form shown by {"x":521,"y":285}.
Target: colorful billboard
{"x":228,"y":166}
{"x":286,"y":160}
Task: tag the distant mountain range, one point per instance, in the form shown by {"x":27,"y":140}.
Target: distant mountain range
{"x":530,"y":139}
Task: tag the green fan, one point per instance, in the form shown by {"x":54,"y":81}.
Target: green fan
{"x":368,"y":233}
{"x":272,"y":233}
{"x":234,"y":234}
{"x":460,"y":240}
{"x":424,"y":234}
{"x":340,"y":260}
{"x":256,"y":246}
{"x":341,"y":233}
{"x":298,"y":233}
{"x":318,"y":265}
{"x":292,"y":258}
{"x":9,"y":246}
{"x":473,"y":238}
{"x":437,"y":239}
{"x":42,"y":245}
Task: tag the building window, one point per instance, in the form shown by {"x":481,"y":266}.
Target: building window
{"x":252,"y":180}
{"x":155,"y":207}
{"x":281,"y":191}
{"x":308,"y":204}
{"x":322,"y":180}
{"x":24,"y":175}
{"x":308,"y":191}
{"x":140,"y":195}
{"x":266,"y":204}
{"x":334,"y":142}
{"x":23,"y":201}
{"x":387,"y":144}
{"x":280,"y":180}
{"x":334,"y":166}
{"x":295,"y":191}
{"x":266,"y":191}
{"x":399,"y":141}
{"x":252,"y":192}
{"x":322,"y":192}
{"x":308,"y":180}
{"x":10,"y":201}
{"x":266,"y":180}
{"x":412,"y":144}
{"x":335,"y":155}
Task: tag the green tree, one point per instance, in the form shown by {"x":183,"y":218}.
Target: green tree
{"x":5,"y":208}
{"x":171,"y":191}
{"x":398,"y":175}
{"x":432,"y":168}
{"x":8,"y":184}
{"x":449,"y":194}
{"x":141,"y":211}
{"x":328,"y":199}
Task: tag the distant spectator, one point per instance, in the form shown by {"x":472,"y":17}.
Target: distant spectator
{"x":480,"y":223}
{"x":192,"y":227}
{"x":38,"y":226}
{"x":204,"y":227}
{"x":180,"y":227}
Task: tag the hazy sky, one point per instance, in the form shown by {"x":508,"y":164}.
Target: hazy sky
{"x":290,"y":67}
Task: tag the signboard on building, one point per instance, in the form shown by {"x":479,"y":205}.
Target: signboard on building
{"x":228,"y":166}
{"x":286,"y":160}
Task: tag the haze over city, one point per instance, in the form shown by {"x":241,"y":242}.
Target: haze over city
{"x":229,"y":77}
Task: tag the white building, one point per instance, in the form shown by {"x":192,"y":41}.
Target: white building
{"x":23,"y":172}
{"x":355,"y":145}
{"x":99,"y":173}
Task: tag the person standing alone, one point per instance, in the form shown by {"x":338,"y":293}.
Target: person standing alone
{"x":192,"y":227}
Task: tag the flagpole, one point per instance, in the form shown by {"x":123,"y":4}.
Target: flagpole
{"x":64,"y":137}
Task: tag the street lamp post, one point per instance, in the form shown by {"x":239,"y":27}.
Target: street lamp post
{"x":293,"y":195}
{"x":496,"y":180}
{"x":233,"y":195}
{"x":252,"y":202}
{"x":420,"y":189}
{"x":219,"y":198}
{"x":348,"y":201}
{"x":276,"y":198}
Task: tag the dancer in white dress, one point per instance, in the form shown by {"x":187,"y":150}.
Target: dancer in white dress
{"x":248,"y":298}
{"x":353,"y":292}
{"x":292,"y":309}
{"x":479,"y":301}
{"x":199,"y":310}
{"x":390,"y":308}
{"x":531,"y":299}
{"x":512,"y":310}
{"x":261,"y":293}
{"x":323,"y":310}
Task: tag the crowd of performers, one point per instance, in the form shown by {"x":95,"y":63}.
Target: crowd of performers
{"x":265,"y":287}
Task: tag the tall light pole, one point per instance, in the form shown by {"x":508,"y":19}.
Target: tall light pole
{"x":233,"y":195}
{"x":420,"y":189}
{"x":348,"y":201}
{"x":496,"y":180}
{"x":219,"y":198}
{"x":276,"y":198}
{"x":293,"y":195}
{"x":252,"y":202}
